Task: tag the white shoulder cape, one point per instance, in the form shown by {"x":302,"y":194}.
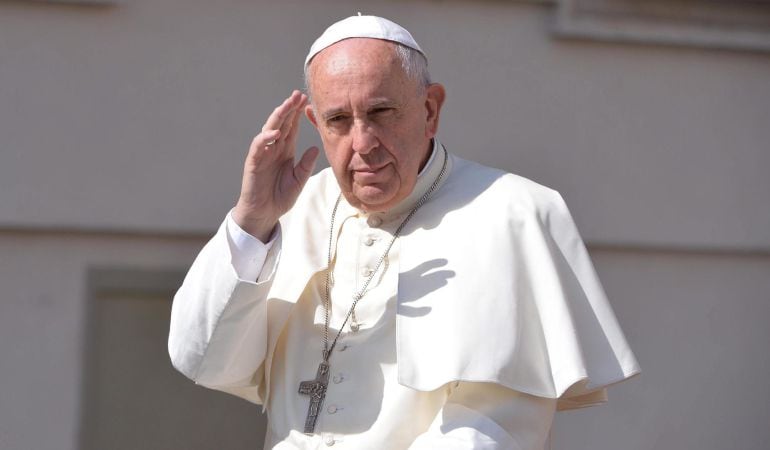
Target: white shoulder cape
{"x":495,"y":285}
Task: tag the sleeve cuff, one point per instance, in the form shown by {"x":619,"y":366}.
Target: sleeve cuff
{"x":248,"y":254}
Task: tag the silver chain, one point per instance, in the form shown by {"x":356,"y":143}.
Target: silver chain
{"x":361,"y":292}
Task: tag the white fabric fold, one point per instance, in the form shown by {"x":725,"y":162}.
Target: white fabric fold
{"x":494,"y":287}
{"x":218,"y":329}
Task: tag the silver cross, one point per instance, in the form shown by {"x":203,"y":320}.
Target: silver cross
{"x":316,"y":389}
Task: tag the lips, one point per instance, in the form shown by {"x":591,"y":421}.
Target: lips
{"x":367,"y":173}
{"x":367,"y":170}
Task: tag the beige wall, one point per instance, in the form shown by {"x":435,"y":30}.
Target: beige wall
{"x":122,"y":130}
{"x":137,"y":115}
{"x":698,"y":324}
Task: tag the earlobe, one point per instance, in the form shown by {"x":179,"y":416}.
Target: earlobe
{"x":311,"y":115}
{"x":434,"y":100}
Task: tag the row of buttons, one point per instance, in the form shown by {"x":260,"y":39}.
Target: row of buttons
{"x":369,"y":241}
{"x":332,"y":409}
{"x":372,"y":221}
{"x":337,"y":379}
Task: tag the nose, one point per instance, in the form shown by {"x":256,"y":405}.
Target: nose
{"x":364,"y":138}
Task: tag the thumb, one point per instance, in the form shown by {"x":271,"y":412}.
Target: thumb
{"x":305,"y":166}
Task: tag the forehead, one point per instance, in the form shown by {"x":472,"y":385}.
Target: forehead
{"x":359,"y":62}
{"x":357,"y":51}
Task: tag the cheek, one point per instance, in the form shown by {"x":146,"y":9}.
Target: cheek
{"x":409,"y":157}
{"x":334,"y":159}
{"x":338,"y":158}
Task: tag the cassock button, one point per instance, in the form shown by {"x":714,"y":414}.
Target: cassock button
{"x":332,"y":409}
{"x":374,"y":221}
{"x":338,"y":378}
{"x":329,"y":440}
{"x":369,"y":241}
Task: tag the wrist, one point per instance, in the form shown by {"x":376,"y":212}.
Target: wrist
{"x":259,"y":227}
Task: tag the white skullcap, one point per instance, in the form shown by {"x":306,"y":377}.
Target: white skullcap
{"x":362,"y":27}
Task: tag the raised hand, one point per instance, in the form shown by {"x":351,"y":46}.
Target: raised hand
{"x":271,"y":181}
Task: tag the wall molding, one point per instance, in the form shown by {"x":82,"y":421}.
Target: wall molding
{"x":735,"y":25}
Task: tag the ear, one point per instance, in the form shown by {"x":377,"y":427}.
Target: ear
{"x":310,"y":114}
{"x":434,"y":100}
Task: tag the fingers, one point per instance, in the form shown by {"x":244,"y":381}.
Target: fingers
{"x":263,"y":142}
{"x":291,"y":134}
{"x":277,"y":139}
{"x":283,"y":114}
{"x":292,"y":120}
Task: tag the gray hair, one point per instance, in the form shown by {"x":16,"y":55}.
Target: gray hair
{"x":413,"y":62}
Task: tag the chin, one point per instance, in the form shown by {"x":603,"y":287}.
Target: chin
{"x":372,"y":199}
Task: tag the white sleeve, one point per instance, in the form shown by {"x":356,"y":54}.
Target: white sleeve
{"x":218,"y":330}
{"x":248,"y":252}
{"x":487,"y":416}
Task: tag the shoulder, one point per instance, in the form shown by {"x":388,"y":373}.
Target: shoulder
{"x":497,"y":193}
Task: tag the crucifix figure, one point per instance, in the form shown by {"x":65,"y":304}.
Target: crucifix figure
{"x":316,"y":389}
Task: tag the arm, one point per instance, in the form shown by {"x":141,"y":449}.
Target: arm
{"x":489,"y":416}
{"x":218,"y":331}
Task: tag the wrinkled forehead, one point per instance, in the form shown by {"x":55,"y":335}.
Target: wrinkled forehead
{"x":361,"y":55}
{"x":365,"y":70}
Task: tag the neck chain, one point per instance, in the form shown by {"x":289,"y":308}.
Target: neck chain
{"x":316,"y":388}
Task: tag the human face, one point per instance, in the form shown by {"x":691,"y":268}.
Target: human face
{"x":375,"y":122}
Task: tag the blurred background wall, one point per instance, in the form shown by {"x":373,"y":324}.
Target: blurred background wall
{"x":122,"y":131}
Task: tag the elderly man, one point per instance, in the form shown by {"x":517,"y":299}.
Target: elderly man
{"x":403,"y":298}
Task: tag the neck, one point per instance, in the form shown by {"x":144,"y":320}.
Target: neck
{"x":428,"y":153}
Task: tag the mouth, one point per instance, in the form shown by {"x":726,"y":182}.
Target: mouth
{"x":369,"y":170}
{"x":369,"y":173}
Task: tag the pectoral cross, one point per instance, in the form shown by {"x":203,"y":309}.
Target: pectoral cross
{"x":316,"y":389}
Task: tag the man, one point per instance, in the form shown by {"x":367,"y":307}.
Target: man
{"x":404,"y":298}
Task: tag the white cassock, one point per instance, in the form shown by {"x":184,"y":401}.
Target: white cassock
{"x":485,"y":318}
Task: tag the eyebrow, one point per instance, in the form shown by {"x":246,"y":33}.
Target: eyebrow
{"x":380,"y":102}
{"x":376,"y":103}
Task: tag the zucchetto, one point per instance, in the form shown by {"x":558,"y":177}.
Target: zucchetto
{"x":362,"y":27}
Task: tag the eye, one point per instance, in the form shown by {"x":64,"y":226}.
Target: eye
{"x":381,"y":110}
{"x":336,"y":119}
